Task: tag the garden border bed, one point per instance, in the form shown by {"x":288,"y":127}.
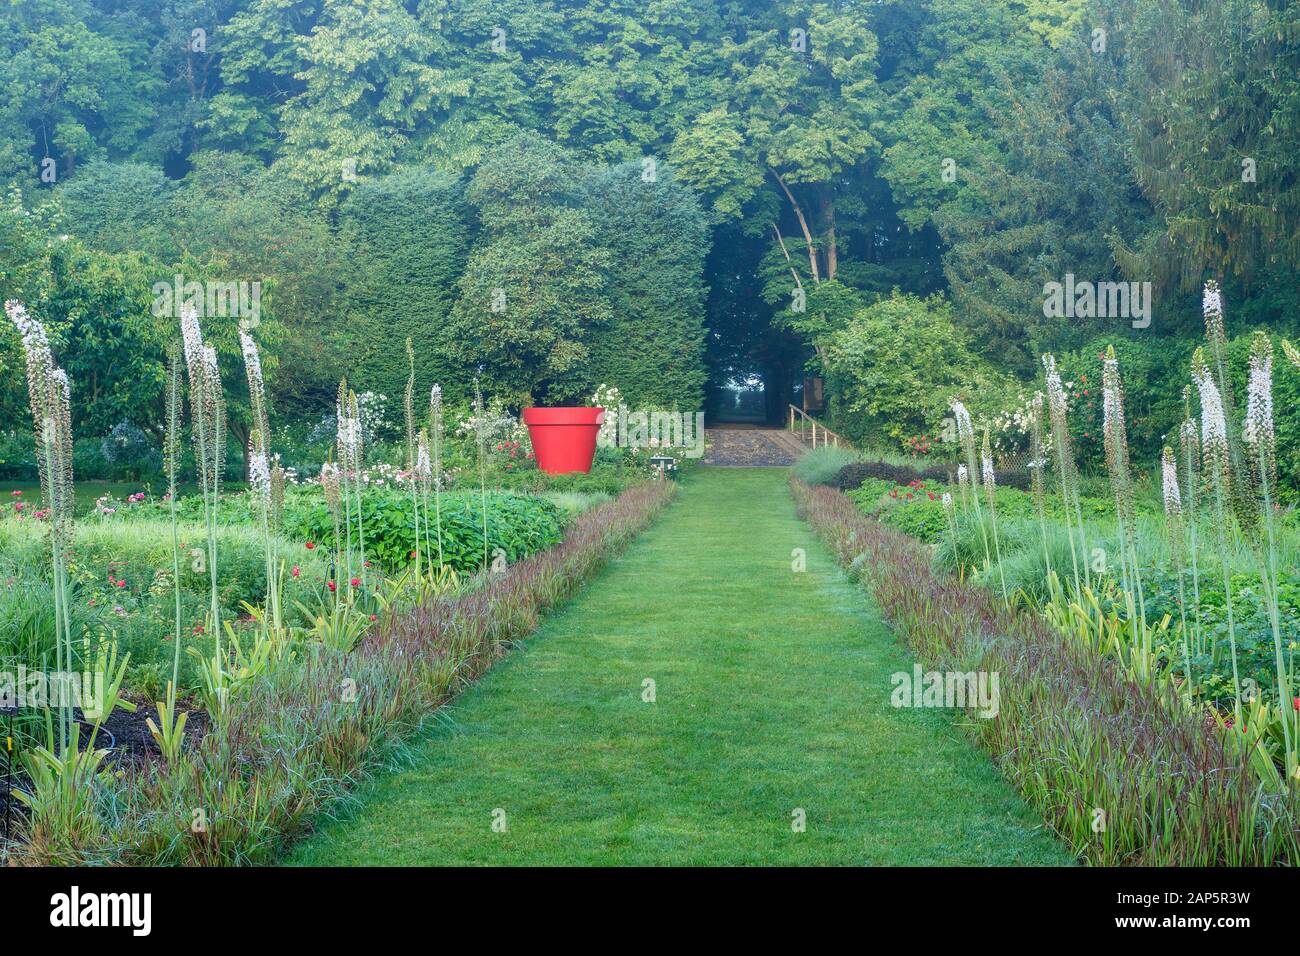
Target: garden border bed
{"x":1072,"y":733}
{"x":306,"y":733}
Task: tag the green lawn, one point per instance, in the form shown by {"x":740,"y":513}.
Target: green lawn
{"x":772,"y":694}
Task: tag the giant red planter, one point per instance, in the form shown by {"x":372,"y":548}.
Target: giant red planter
{"x":564,"y":439}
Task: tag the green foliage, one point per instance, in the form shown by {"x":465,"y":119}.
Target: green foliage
{"x":74,"y":84}
{"x":533,"y":293}
{"x":897,"y":365}
{"x":1153,"y":371}
{"x":1222,"y":180}
{"x":519,"y":525}
{"x":118,"y":207}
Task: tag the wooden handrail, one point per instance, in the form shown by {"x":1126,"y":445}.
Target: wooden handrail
{"x":805,"y":420}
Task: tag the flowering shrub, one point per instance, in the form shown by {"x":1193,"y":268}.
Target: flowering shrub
{"x":499,"y":427}
{"x":373,"y":415}
{"x":609,"y":398}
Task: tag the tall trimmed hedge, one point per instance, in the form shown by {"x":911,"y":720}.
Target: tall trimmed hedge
{"x":658,"y":238}
{"x":408,"y":238}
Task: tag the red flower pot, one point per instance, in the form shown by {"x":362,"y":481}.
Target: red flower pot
{"x":564,"y":438}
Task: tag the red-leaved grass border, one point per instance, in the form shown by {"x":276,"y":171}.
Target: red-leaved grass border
{"x":1120,"y":769}
{"x":304,"y":733}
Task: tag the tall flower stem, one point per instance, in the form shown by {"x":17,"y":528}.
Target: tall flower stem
{"x":51,"y":406}
{"x":990,"y":490}
{"x":480,"y":424}
{"x":346,"y":455}
{"x":359,"y":458}
{"x":171,"y":453}
{"x":1115,"y":434}
{"x":966,"y":434}
{"x":259,"y":471}
{"x":331,"y":483}
{"x":1038,"y":473}
{"x":1214,"y":447}
{"x":1174,"y":526}
{"x":208,"y":417}
{"x":435,"y":428}
{"x":1189,"y":447}
{"x":412,"y":450}
{"x":1260,"y":439}
{"x":1058,"y":409}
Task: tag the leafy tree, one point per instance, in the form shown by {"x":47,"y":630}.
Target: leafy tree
{"x":74,"y":84}
{"x":1212,"y":93}
{"x":897,"y":364}
{"x":121,"y":206}
{"x":534,"y":291}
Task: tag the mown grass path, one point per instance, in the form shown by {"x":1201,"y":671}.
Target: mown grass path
{"x":772,"y":693}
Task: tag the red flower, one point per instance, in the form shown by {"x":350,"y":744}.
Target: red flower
{"x":18,"y":506}
{"x":355,"y":582}
{"x":121,"y":584}
{"x":310,"y":546}
{"x":198,"y":628}
{"x":367,"y":564}
{"x":331,"y":585}
{"x":17,"y":492}
{"x":374,"y":617}
{"x":1296,"y":703}
{"x":296,"y":571}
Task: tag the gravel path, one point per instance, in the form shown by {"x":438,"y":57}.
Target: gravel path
{"x":747,"y":447}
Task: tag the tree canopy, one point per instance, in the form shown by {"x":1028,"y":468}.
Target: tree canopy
{"x":724,"y":187}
